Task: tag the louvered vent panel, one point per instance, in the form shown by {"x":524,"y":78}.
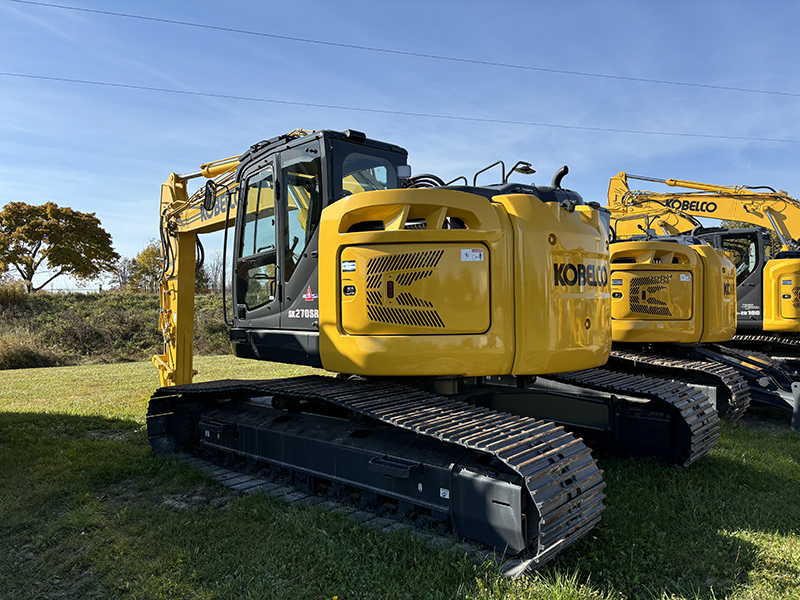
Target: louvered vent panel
{"x":641,"y":295}
{"x":408,"y":268}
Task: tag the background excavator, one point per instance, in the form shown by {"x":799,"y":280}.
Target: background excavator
{"x":673,"y":298}
{"x":438,"y":306}
{"x":767,"y":279}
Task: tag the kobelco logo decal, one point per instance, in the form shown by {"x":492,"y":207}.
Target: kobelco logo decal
{"x":693,"y":205}
{"x":220,"y":207}
{"x":568,"y":274}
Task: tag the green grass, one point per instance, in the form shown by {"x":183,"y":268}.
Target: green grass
{"x":87,"y":511}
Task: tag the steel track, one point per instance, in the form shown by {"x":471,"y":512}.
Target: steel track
{"x":692,"y":405}
{"x":558,"y":471}
{"x":726,"y":376}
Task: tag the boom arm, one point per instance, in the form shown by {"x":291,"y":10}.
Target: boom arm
{"x":182,"y":218}
{"x":210,"y":209}
{"x":675,"y":212}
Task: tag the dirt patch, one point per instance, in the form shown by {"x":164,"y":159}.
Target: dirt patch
{"x":109,"y":435}
{"x":73,"y":588}
{"x":768,"y":420}
{"x":130,"y":492}
{"x":197,"y":498}
{"x":122,"y":494}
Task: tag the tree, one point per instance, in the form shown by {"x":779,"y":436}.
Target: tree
{"x":213,"y":268}
{"x":59,"y":239}
{"x":123,"y":271}
{"x":202,"y":281}
{"x":146,"y":269}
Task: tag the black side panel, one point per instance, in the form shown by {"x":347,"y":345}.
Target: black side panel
{"x":291,"y":347}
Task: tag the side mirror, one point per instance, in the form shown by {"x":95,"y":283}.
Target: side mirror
{"x":404,"y":171}
{"x":210,"y":198}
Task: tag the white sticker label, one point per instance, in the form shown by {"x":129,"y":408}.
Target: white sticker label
{"x":348,"y":266}
{"x":304,"y":313}
{"x":787,"y":282}
{"x":472,"y":255}
{"x":443,"y":493}
{"x":686,"y":277}
{"x":616,"y":282}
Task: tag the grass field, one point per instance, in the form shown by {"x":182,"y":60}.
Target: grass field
{"x":87,"y":511}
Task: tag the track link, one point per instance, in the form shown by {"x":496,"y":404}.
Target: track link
{"x":558,"y":471}
{"x":693,"y":406}
{"x":782,"y":347}
{"x":239,"y":478}
{"x":737,"y":386}
{"x":773,"y":341}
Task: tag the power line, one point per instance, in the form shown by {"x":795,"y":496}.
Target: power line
{"x":411,"y":54}
{"x":392,"y":112}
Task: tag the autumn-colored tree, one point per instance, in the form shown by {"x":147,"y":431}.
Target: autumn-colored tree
{"x":59,"y":239}
{"x":146,"y":269}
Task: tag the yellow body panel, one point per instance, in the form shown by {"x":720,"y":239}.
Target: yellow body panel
{"x":671,"y":292}
{"x":782,"y":295}
{"x":426,"y":289}
{"x":562,"y":300}
{"x":499,"y":272}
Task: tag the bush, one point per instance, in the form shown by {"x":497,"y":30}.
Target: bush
{"x":66,"y":329}
{"x":210,"y":330}
{"x":11,"y":293}
{"x":19,"y":350}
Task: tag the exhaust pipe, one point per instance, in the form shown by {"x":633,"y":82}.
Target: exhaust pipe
{"x":559,"y":176}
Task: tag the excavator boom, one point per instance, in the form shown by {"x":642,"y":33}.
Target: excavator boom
{"x":759,"y":206}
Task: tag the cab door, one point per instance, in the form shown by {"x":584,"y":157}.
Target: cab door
{"x":256,"y":290}
{"x":301,"y":191}
{"x":277,"y":314}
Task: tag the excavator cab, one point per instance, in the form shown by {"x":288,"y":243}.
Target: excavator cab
{"x":284,"y":185}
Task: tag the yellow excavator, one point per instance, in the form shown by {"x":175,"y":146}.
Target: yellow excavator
{"x":436,"y":308}
{"x":767,"y":281}
{"x":673,"y":299}
{"x":768,"y":286}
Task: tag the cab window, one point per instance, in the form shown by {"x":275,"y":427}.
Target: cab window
{"x":744,"y":254}
{"x":365,"y":173}
{"x":301,"y":177}
{"x":255,"y":273}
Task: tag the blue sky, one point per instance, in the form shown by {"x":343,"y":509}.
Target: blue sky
{"x":107,"y":149}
